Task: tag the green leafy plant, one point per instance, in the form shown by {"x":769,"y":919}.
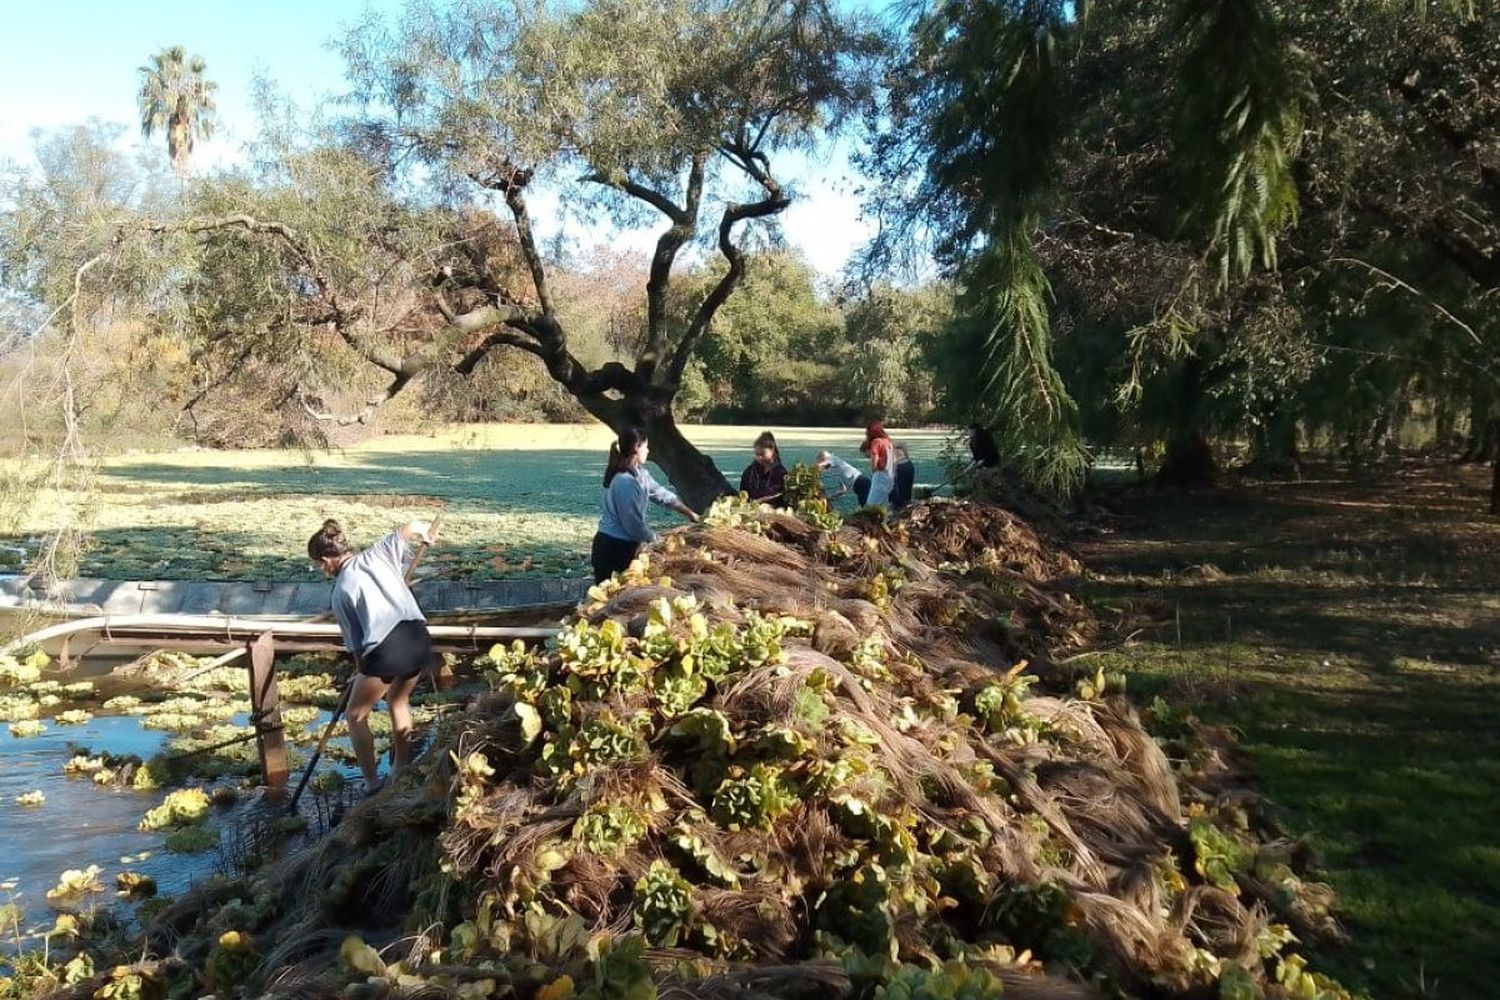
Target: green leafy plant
{"x":664,"y":905}
{"x":1219,"y":855}
{"x":184,"y":807}
{"x":751,"y":800}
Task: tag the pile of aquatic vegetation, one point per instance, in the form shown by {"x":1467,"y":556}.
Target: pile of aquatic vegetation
{"x":25,"y":698}
{"x":780,"y":757}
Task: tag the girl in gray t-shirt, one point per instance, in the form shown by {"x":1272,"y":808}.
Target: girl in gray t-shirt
{"x":384,"y":631}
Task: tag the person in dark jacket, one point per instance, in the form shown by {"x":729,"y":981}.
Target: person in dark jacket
{"x":628,"y":490}
{"x":906,"y":479}
{"x":982,"y":448}
{"x":764,"y":480}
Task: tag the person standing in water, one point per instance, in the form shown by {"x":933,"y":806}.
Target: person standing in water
{"x":628,"y":490}
{"x":384,"y":631}
{"x":764,"y":480}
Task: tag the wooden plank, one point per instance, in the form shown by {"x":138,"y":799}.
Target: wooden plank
{"x":265,"y":707}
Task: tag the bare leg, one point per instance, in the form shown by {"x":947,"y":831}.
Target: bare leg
{"x":398,"y":700}
{"x":367,"y":691}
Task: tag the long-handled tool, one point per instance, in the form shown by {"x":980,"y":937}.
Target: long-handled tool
{"x":343,"y":702}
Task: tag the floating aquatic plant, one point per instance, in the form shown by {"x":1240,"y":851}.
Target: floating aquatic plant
{"x":30,"y":727}
{"x":192,"y":839}
{"x":76,"y":882}
{"x":32,"y":798}
{"x":73,"y":717}
{"x":82,"y":763}
{"x":184,"y":807}
{"x":135,"y":884}
{"x":17,"y":708}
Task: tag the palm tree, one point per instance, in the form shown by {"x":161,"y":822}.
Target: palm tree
{"x":176,"y":98}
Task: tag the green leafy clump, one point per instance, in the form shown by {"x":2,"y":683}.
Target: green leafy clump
{"x":954,"y":980}
{"x":18,"y":708}
{"x":192,"y":840}
{"x":804,"y":494}
{"x":16,"y":673}
{"x":184,"y":807}
{"x":751,"y":800}
{"x":664,"y":905}
{"x":610,"y":829}
{"x":1219,"y":855}
{"x":135,"y":884}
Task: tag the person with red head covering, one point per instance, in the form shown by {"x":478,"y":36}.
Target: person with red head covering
{"x":882,"y":463}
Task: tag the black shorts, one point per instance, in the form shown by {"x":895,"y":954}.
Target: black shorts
{"x":406,"y":652}
{"x":610,"y":555}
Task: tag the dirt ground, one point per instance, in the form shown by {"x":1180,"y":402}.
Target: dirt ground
{"x":1349,"y":632}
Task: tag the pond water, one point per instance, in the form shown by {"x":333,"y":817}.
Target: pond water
{"x":82,"y":823}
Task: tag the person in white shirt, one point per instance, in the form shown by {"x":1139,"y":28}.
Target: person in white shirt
{"x":384,"y":631}
{"x":850,"y":478}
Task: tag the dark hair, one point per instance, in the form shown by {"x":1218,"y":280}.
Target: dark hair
{"x":620,"y":451}
{"x":328,"y":542}
{"x":768,"y":440}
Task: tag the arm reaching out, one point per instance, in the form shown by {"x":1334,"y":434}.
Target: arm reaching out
{"x":425,"y":532}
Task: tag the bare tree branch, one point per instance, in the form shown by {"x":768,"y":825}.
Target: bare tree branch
{"x":775,"y":201}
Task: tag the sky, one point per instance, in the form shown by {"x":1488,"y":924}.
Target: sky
{"x":65,"y":61}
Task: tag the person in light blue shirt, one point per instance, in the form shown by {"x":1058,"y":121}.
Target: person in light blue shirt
{"x":628,"y":490}
{"x":384,"y":631}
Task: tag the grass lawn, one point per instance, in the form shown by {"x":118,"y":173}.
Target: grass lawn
{"x":516,"y":500}
{"x":1350,"y":633}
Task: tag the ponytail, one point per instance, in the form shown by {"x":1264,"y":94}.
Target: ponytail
{"x":620,"y":452}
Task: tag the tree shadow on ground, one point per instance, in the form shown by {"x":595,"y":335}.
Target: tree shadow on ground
{"x":1349,"y":631}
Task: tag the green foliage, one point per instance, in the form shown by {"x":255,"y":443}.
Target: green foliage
{"x":192,"y":840}
{"x":664,"y":905}
{"x":1219,"y":854}
{"x":855,"y":911}
{"x":954,"y":980}
{"x":609,"y":829}
{"x":1245,"y":90}
{"x":177,"y":99}
{"x":751,"y":799}
{"x":184,"y":807}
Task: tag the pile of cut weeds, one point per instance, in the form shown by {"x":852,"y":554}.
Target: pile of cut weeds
{"x":781,"y":756}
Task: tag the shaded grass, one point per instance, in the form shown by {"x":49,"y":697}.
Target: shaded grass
{"x":1349,"y":632}
{"x":517,"y":500}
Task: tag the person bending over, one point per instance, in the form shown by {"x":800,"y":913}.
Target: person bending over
{"x":764,"y":480}
{"x":848,"y":476}
{"x":628,"y":489}
{"x":384,"y":631}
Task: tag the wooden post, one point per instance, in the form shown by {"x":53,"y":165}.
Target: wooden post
{"x":265,"y":711}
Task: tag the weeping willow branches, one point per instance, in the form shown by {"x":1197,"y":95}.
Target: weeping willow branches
{"x":1244,"y":90}
{"x":993,"y":92}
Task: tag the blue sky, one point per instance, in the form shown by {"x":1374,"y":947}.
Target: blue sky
{"x":65,"y":61}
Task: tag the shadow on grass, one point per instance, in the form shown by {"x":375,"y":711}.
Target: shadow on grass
{"x":1350,"y":633}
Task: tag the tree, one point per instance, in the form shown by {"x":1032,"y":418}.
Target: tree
{"x":178,"y":100}
{"x":1192,"y":191}
{"x":774,"y":349}
{"x":672,"y":111}
{"x":894,"y":346}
